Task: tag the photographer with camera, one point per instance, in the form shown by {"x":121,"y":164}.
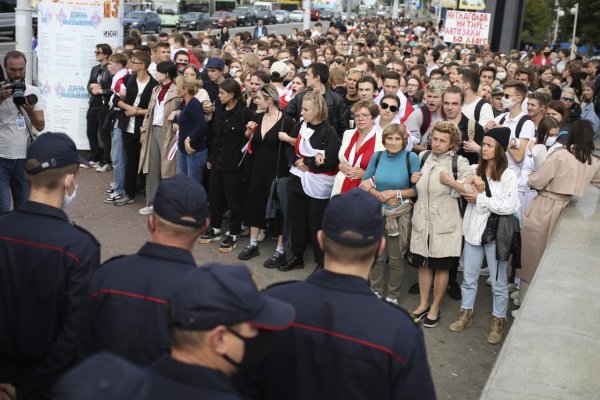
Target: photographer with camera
{"x":21,"y":115}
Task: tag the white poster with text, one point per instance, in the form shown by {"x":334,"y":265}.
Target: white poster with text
{"x":467,"y":27}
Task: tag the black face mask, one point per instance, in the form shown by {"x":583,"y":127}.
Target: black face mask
{"x":547,"y":53}
{"x":255,"y":350}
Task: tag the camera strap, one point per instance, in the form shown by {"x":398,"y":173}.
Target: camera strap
{"x":32,"y":136}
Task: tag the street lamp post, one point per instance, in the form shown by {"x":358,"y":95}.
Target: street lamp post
{"x":559,"y":13}
{"x":575,"y":12}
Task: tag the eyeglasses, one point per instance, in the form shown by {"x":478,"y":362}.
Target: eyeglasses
{"x":360,"y":117}
{"x":385,"y":106}
{"x":567,"y":99}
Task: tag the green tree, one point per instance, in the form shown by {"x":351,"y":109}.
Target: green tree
{"x":537,"y":21}
{"x":588,"y":28}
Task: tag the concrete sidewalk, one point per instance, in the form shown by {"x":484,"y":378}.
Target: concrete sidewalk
{"x":460,"y":362}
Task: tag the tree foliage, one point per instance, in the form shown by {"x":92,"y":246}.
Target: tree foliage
{"x":537,"y":21}
{"x":588,"y":26}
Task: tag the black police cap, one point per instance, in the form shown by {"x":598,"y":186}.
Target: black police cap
{"x":100,"y":377}
{"x":53,"y":150}
{"x":353,"y":219}
{"x":182,"y":201}
{"x":217,"y":294}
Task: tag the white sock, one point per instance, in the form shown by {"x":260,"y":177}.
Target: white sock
{"x":253,"y":242}
{"x":280,"y":249}
{"x":216,"y":230}
{"x":234,"y":237}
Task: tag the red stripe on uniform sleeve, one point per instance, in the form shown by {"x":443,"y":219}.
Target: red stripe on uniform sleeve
{"x":42,"y":246}
{"x":128,"y":294}
{"x":349,"y":338}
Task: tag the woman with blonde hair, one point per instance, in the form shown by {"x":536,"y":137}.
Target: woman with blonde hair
{"x":250,"y":61}
{"x":388,"y":179}
{"x":192,"y":127}
{"x":314,"y":166}
{"x":436,"y":234}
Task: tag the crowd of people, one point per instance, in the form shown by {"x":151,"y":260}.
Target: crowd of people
{"x":448,"y":159}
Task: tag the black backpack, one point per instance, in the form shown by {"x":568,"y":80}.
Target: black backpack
{"x":478,"y":108}
{"x":426,"y":119}
{"x":520,"y":124}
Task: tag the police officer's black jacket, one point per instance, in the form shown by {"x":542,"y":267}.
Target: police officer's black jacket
{"x":125,"y":312}
{"x":228,"y":136}
{"x":337,"y":112}
{"x":171,"y":379}
{"x":345,"y":343}
{"x":46,"y":264}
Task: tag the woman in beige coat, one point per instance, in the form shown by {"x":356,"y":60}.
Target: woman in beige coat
{"x":436,"y":223}
{"x":158,"y":136}
{"x":565,"y":174}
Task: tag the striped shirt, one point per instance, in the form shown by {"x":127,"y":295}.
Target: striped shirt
{"x":504,"y":201}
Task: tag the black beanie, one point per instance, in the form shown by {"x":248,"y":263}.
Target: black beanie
{"x":501,"y":135}
{"x":167,"y":67}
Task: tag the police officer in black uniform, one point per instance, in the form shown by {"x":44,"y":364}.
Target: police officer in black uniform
{"x":46,"y":264}
{"x":126,"y":308}
{"x":221,"y":325}
{"x":346,"y":343}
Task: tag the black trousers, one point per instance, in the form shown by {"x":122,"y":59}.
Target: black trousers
{"x":307,"y":215}
{"x":256,"y":201}
{"x":95,"y":119}
{"x":225,"y":189}
{"x":132,"y":148}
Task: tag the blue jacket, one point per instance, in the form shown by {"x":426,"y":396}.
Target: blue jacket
{"x":193,"y":125}
{"x":125,"y":312}
{"x":345,"y":343}
{"x":46,"y":264}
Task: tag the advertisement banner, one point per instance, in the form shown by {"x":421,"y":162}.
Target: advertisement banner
{"x":68,"y":32}
{"x":467,"y":27}
{"x":326,"y":4}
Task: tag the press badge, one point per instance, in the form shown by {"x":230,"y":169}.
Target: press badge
{"x":20,"y":121}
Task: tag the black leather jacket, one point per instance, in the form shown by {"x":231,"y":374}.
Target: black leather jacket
{"x":101,"y":76}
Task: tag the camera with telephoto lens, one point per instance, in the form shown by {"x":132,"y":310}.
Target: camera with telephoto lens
{"x":18,"y":94}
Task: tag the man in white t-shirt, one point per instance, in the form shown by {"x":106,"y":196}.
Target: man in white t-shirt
{"x":16,"y":123}
{"x":474,"y":107}
{"x":521,"y":127}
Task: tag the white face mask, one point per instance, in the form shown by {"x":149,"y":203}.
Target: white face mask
{"x":68,"y":198}
{"x":501,"y":76}
{"x":551,"y":140}
{"x":507,"y":104}
{"x":306,"y":63}
{"x":232,"y":71}
{"x":205,"y":48}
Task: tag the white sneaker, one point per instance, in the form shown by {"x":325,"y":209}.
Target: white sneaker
{"x":261,"y":236}
{"x":146,"y":210}
{"x":104,"y":168}
{"x":514,"y":313}
{"x":488,"y":281}
{"x":514,"y":295}
{"x":512,"y":287}
{"x":390,"y":300}
{"x":484,"y":272}
{"x":516,"y":302}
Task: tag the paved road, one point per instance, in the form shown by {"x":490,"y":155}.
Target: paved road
{"x":460,"y":363}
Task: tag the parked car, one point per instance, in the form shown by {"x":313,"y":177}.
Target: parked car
{"x":265,"y":14}
{"x":315,"y":14}
{"x":245,"y":15}
{"x":223,"y":18}
{"x":326,"y":15}
{"x":297,"y":16}
{"x":194,"y":21}
{"x":282,"y":16}
{"x":143,"y":21}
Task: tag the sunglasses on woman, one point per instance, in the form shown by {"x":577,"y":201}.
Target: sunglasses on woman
{"x":385,"y":106}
